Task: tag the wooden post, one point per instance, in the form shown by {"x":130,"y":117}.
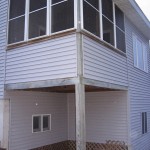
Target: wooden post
{"x":80,"y":117}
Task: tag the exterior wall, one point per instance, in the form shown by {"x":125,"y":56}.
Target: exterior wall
{"x":23,"y":107}
{"x":3,"y":25}
{"x":139,"y":90}
{"x":106,"y":116}
{"x":103,"y":64}
{"x":51,"y":59}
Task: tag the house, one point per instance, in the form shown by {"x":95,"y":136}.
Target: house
{"x":74,"y":70}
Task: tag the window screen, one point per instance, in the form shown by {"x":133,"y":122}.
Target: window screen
{"x":37,"y":18}
{"x":119,"y":18}
{"x":108,"y":31}
{"x":16,"y":21}
{"x":107,"y":9}
{"x":91,"y":16}
{"x":120,"y":39}
{"x":62,"y":15}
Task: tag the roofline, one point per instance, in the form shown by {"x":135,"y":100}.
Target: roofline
{"x":140,"y":12}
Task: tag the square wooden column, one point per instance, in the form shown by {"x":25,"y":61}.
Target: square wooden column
{"x":80,"y":117}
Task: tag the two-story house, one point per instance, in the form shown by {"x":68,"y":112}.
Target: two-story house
{"x":74,"y":71}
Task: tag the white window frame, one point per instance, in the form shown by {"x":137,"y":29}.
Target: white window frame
{"x":42,"y":115}
{"x":48,"y":22}
{"x":135,"y":38}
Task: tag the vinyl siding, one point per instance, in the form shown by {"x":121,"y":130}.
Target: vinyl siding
{"x":103,"y":64}
{"x":51,"y":59}
{"x":106,"y":116}
{"x":139,"y":91}
{"x":3,"y":25}
{"x":23,"y":107}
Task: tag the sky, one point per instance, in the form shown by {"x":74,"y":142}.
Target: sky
{"x":145,"y":6}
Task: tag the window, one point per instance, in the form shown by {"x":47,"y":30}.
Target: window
{"x":91,"y":16}
{"x":36,"y":123}
{"x":41,"y":123}
{"x":37,"y":18}
{"x":105,"y":20}
{"x":62,"y":15}
{"x":120,"y":31}
{"x":46,"y":122}
{"x":108,"y":25}
{"x":144,"y":122}
{"x":16,"y":21}
{"x":140,"y":54}
{"x":29,"y":19}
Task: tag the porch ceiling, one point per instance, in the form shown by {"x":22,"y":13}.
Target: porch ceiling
{"x":70,"y":89}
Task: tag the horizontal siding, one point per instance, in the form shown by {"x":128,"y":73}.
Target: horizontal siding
{"x":103,"y":64}
{"x":3,"y":25}
{"x":106,"y":116}
{"x":139,"y":89}
{"x":51,"y":59}
{"x":23,"y":107}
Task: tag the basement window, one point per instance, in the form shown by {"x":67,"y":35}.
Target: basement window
{"x":41,"y":123}
{"x":36,"y":123}
{"x":46,"y":122}
{"x":144,"y":122}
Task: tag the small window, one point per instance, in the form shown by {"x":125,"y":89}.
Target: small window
{"x":41,"y":123}
{"x":36,"y":123}
{"x":140,"y":54}
{"x":144,"y":122}
{"x":46,"y":122}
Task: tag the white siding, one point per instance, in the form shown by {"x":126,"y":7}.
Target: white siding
{"x":139,"y":88}
{"x":106,"y":116}
{"x":23,"y":107}
{"x":51,"y":59}
{"x":3,"y":25}
{"x":103,"y":64}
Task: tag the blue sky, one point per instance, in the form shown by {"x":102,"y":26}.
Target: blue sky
{"x":145,"y":6}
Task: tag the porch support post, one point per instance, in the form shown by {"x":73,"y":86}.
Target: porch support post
{"x":80,"y":117}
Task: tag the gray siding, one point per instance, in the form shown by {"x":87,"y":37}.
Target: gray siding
{"x":3,"y":24}
{"x":23,"y":107}
{"x":139,"y":89}
{"x":106,"y":116}
{"x":51,"y":59}
{"x":103,"y":64}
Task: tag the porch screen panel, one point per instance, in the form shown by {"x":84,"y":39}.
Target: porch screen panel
{"x":16,"y":21}
{"x":62,"y":15}
{"x":108,"y":24}
{"x":120,"y":29}
{"x":37,"y":18}
{"x":91,"y":16}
